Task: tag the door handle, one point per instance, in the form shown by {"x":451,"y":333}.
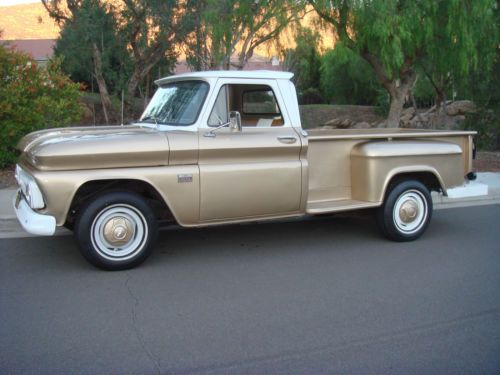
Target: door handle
{"x":287,"y":140}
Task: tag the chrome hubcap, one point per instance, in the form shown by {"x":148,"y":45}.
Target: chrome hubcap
{"x":119,"y":232}
{"x":410,"y":211}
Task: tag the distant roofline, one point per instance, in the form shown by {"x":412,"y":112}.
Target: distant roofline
{"x":255,"y":74}
{"x":38,"y":49}
{"x":27,"y":40}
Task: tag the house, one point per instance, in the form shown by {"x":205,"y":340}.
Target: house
{"x":40,"y":50}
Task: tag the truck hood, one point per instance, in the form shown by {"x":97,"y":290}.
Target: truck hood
{"x":95,"y":147}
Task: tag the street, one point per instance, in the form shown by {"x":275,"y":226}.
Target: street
{"x":310,"y":296}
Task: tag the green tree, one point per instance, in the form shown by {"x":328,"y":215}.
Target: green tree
{"x":125,"y":40}
{"x":235,"y":27}
{"x":94,"y":22}
{"x":197,"y":44}
{"x":89,"y":22}
{"x":32,"y":98}
{"x":346,"y":78}
{"x":450,"y":62}
{"x":153,"y":28}
{"x":304,"y":60}
{"x":394,"y":36}
{"x":482,"y":88}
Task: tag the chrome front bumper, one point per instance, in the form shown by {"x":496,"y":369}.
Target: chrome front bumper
{"x":32,"y":221}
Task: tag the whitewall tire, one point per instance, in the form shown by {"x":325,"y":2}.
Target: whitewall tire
{"x":116,"y":230}
{"x":406,"y":212}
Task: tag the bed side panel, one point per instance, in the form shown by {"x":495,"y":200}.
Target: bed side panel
{"x":373,"y":165}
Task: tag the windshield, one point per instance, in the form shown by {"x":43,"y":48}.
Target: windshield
{"x":176,"y":103}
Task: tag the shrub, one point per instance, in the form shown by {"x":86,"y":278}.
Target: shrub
{"x":348,"y":79}
{"x":311,"y":96}
{"x":482,"y":88}
{"x":424,"y":93}
{"x":32,"y":98}
{"x":487,"y":124}
{"x":305,"y":60}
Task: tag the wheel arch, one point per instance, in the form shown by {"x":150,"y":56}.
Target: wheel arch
{"x":427,"y":176}
{"x":92,"y":188}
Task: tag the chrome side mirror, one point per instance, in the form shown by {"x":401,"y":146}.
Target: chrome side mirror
{"x":234,"y":124}
{"x":235,"y":121}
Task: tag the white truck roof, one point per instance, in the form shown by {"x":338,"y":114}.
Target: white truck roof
{"x":255,"y":74}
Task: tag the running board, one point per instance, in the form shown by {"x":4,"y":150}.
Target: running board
{"x":324,"y":207}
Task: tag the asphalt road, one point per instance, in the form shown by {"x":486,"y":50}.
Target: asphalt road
{"x":317,"y":296}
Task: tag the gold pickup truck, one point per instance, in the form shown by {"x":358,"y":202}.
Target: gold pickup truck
{"x":226,"y":147}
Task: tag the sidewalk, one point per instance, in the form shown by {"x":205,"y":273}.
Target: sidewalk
{"x":489,"y":179}
{"x":492,"y":180}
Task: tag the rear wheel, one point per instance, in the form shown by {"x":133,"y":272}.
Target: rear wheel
{"x":406,"y":212}
{"x":116,"y":230}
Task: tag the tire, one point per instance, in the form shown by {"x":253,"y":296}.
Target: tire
{"x":406,"y":212}
{"x":116,"y":230}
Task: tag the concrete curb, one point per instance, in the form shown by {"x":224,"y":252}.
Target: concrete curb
{"x":440,"y":202}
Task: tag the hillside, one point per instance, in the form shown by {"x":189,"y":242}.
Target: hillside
{"x":31,"y":21}
{"x":27,"y":21}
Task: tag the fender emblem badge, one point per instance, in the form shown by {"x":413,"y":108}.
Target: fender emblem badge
{"x":182,"y":178}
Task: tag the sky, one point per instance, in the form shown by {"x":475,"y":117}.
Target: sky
{"x":16,"y":2}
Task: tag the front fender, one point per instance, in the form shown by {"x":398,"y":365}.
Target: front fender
{"x":180,"y":193}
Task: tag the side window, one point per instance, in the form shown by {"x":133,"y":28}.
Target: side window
{"x":220,"y":111}
{"x":256,"y":104}
{"x":260,"y":102}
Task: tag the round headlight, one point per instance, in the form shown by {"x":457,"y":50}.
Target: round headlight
{"x":29,"y":188}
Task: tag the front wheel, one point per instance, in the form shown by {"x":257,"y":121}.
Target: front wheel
{"x":406,"y":212}
{"x":116,"y":230}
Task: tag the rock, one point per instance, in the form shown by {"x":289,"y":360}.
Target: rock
{"x":460,"y":107}
{"x":345,"y":123}
{"x":361,"y":125}
{"x":382,"y":124}
{"x":417,"y":123}
{"x":437,"y":117}
{"x":408,"y":111}
{"x":334,"y":122}
{"x":341,"y":123}
{"x":432,"y":109}
{"x":442,"y":121}
{"x":405,"y":119}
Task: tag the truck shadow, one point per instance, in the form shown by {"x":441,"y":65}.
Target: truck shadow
{"x":284,"y":237}
{"x":320,"y":235}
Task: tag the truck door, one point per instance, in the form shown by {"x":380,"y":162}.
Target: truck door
{"x":255,"y":172}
